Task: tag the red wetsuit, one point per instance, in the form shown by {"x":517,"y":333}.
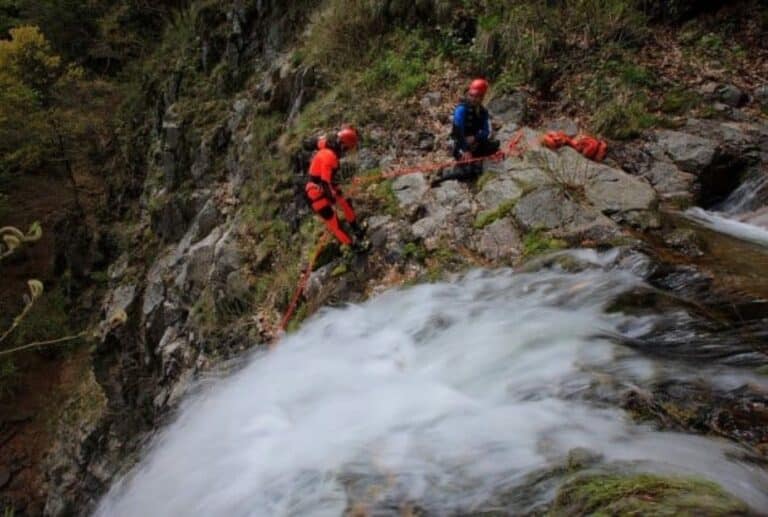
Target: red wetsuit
{"x":322,"y":193}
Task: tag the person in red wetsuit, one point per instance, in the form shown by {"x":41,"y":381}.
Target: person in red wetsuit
{"x":321,"y":190}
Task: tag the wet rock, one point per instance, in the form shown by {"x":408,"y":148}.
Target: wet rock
{"x":611,"y":191}
{"x":732,"y":96}
{"x":685,"y":240}
{"x":509,"y":108}
{"x":499,"y":240}
{"x":319,"y":278}
{"x":581,"y":457}
{"x":670,"y":181}
{"x":689,"y":152}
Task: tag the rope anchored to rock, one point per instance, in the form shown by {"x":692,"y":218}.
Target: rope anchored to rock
{"x":515,"y":147}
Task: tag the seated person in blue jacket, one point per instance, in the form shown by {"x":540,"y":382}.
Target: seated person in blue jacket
{"x":471,"y":134}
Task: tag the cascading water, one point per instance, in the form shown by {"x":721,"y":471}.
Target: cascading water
{"x":743,"y":214}
{"x":444,"y":394}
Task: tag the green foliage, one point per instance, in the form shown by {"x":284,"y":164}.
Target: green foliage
{"x":678,"y":101}
{"x":342,"y":33}
{"x":643,"y":494}
{"x":519,"y":39}
{"x":414,"y":251}
{"x":8,"y":376}
{"x":402,"y":70}
{"x":48,"y":319}
{"x":386,"y":196}
{"x":48,"y":112}
{"x":622,"y":118}
{"x":29,"y":58}
{"x":536,"y":242}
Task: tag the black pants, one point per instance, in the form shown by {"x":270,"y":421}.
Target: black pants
{"x":472,"y":170}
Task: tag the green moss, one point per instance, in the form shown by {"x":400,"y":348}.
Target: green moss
{"x":643,"y":494}
{"x":340,"y":269}
{"x":679,"y":101}
{"x":536,"y":242}
{"x":763,"y":370}
{"x":298,"y":318}
{"x":415,"y":251}
{"x":487,"y":217}
{"x":48,"y":319}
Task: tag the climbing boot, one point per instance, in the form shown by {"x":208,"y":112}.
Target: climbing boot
{"x":361,"y":245}
{"x":357,"y":230}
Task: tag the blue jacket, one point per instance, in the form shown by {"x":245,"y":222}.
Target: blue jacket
{"x":469,"y":121}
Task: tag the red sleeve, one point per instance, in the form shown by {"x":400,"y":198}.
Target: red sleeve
{"x":324,"y":164}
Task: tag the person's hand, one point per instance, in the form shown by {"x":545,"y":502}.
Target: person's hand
{"x":466,"y":155}
{"x":470,"y":140}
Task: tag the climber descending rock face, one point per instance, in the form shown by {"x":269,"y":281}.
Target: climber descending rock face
{"x":322,"y":190}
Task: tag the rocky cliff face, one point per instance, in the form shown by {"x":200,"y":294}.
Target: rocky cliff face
{"x":201,"y":279}
{"x":184,"y":264}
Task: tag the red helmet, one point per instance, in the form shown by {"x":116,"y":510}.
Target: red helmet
{"x":348,"y":137}
{"x":478,"y":87}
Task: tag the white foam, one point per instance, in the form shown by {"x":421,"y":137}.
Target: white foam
{"x":459,"y":388}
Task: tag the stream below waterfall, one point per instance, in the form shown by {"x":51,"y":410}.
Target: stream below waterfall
{"x":454,"y":396}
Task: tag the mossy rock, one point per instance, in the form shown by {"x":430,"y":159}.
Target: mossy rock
{"x":643,"y":494}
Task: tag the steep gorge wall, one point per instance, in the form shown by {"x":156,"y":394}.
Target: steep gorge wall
{"x":187,"y":158}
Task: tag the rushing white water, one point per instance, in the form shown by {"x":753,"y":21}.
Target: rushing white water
{"x":741,"y":215}
{"x":451,"y":392}
{"x":728,"y":225}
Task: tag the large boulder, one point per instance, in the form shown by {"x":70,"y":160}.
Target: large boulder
{"x":409,"y":189}
{"x":499,"y":240}
{"x":551,"y":209}
{"x":669,"y":181}
{"x":509,"y":108}
{"x":497,"y":191}
{"x":691,"y":153}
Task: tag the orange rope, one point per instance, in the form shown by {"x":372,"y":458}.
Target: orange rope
{"x":358,"y":181}
{"x":303,"y":282}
